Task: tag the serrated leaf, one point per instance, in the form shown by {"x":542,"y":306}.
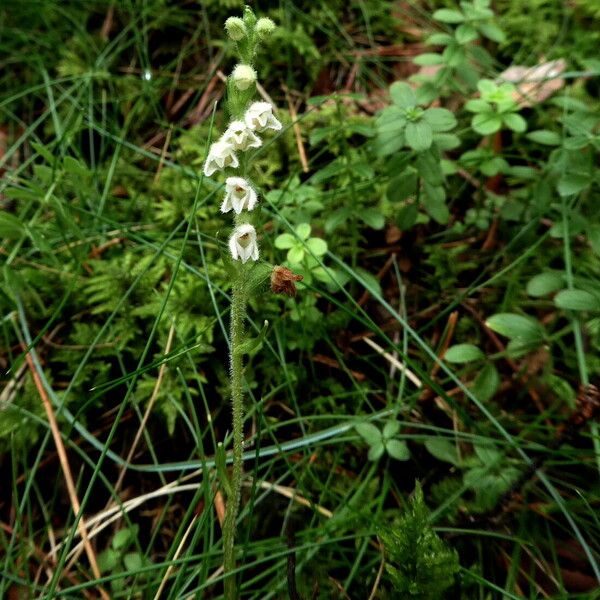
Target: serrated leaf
{"x":577,"y":300}
{"x":544,"y":284}
{"x":465,"y":33}
{"x":428,"y":59}
{"x":463,"y":353}
{"x":492,"y":32}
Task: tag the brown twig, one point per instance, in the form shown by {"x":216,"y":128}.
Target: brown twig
{"x":296,"y":128}
{"x":66,"y":469}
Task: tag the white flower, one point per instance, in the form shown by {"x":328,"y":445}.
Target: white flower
{"x":220,"y":155}
{"x":260,"y":117}
{"x":239,"y":195}
{"x":264,"y":28}
{"x":243,"y":76}
{"x":242,"y":243}
{"x":240,"y":136}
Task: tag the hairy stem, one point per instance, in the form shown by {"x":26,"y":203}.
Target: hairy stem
{"x":238,"y":313}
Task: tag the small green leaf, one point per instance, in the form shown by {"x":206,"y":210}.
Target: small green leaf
{"x":285,"y":241}
{"x":390,"y":429}
{"x":435,"y":206}
{"x":486,"y":383}
{"x":571,"y":184}
{"x":492,"y":32}
{"x":463,"y":353}
{"x":517,"y":327}
{"x":123,"y":538}
{"x":448,"y":15}
{"x":488,"y":454}
{"x":428,"y":59}
{"x":545,"y":137}
{"x":317,"y":246}
{"x":544,"y":284}
{"x":443,"y":449}
{"x":486,"y":123}
{"x":419,"y":135}
{"x":376,"y":451}
{"x":372,"y":217}
{"x":369,"y":432}
{"x":397,"y":449}
{"x":402,"y":95}
{"x":440,"y":119}
{"x":295,"y":254}
{"x":133,"y":561}
{"x":465,"y":33}
{"x":407,"y":216}
{"x":477,"y":105}
{"x":515,"y":122}
{"x":402,"y":186}
{"x":303,"y":231}
{"x":577,"y":300}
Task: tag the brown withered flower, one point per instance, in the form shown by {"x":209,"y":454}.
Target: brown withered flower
{"x":282,"y":281}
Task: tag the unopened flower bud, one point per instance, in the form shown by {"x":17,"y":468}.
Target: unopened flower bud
{"x":264,"y":28}
{"x":235,"y":28}
{"x":283,"y":281}
{"x":243,"y":77}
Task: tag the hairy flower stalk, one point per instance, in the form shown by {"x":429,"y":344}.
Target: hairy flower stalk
{"x":230,"y":153}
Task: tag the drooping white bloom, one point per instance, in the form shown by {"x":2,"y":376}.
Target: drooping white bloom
{"x":243,"y":76}
{"x":260,"y":117}
{"x":220,"y":155}
{"x":239,"y":195}
{"x":240,"y":136}
{"x":242,"y":243}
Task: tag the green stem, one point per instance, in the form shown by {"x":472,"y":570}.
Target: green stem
{"x":238,"y":314}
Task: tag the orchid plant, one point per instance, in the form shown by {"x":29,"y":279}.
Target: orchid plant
{"x":232,"y":152}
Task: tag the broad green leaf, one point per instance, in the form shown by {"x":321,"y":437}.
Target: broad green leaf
{"x":397,"y":449}
{"x":133,"y":561}
{"x":545,"y":137}
{"x":295,"y":254}
{"x":465,"y":33}
{"x":317,"y":246}
{"x":488,"y":454}
{"x":518,"y":327}
{"x":486,"y":383}
{"x":303,"y":231}
{"x":390,"y":429}
{"x":477,"y":105}
{"x":376,"y":451}
{"x":492,"y":32}
{"x":544,"y":284}
{"x":515,"y":122}
{"x":402,"y":186}
{"x":486,"y":123}
{"x":428,"y":59}
{"x":573,"y":183}
{"x":463,"y":353}
{"x":446,"y":141}
{"x":369,"y":432}
{"x":436,"y":209}
{"x":440,"y":119}
{"x":443,"y":449}
{"x":407,"y":216}
{"x":577,"y":300}
{"x":439,"y":39}
{"x":448,"y":15}
{"x":285,"y":241}
{"x":419,"y":135}
{"x":372,"y":217}
{"x":402,"y":95}
{"x":429,"y":167}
